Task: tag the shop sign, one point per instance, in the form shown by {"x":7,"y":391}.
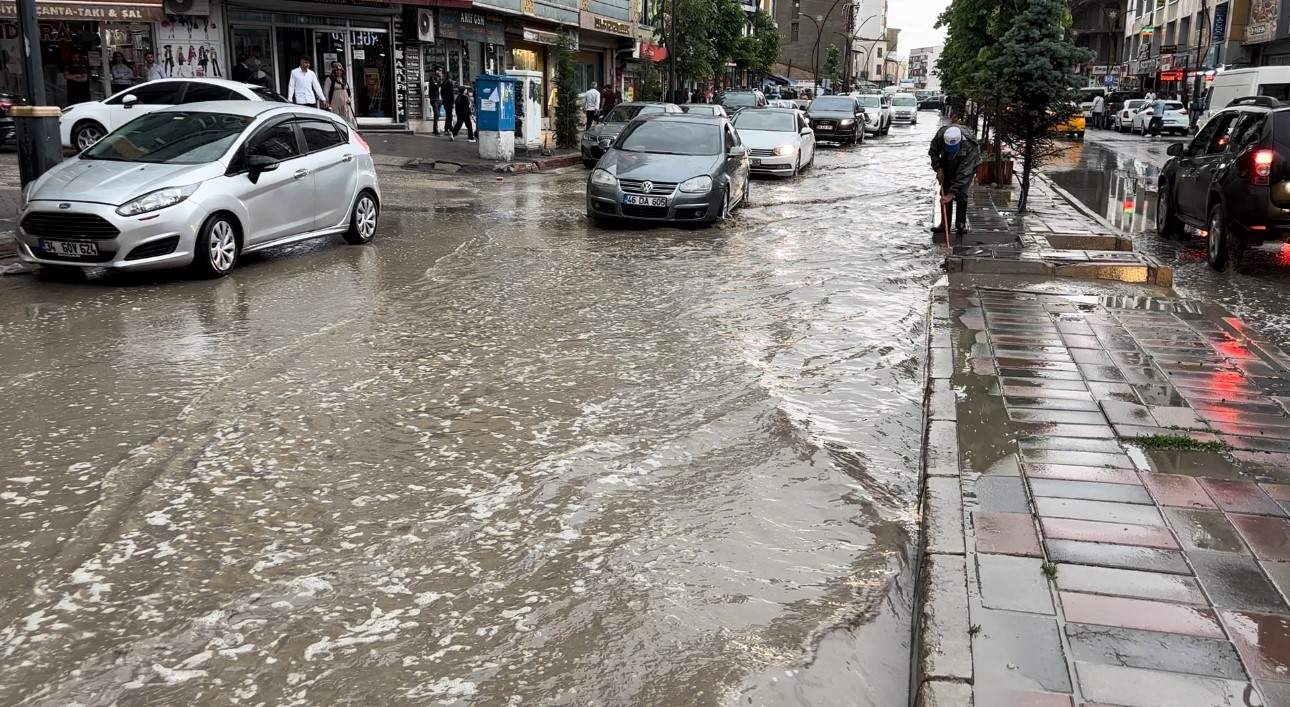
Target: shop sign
{"x":1171,"y":76}
{"x":1166,"y":62}
{"x":541,"y":36}
{"x":470,"y":26}
{"x":1263,"y":21}
{"x":652,"y":52}
{"x":1168,"y":48}
{"x":1220,"y":23}
{"x":1148,"y":66}
{"x":1099,"y":69}
{"x":608,"y":25}
{"x":101,"y":11}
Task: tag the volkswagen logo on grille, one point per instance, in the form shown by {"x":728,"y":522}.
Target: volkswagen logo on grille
{"x":64,"y":206}
{"x":647,"y":187}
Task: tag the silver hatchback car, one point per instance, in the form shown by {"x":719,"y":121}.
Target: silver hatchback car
{"x":200,"y":184}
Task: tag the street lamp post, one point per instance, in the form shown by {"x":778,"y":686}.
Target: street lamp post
{"x":671,"y":55}
{"x":818,"y":21}
{"x":36,"y":124}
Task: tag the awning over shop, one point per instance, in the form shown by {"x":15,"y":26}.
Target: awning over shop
{"x":782,"y":80}
{"x":451,"y":4}
{"x":89,"y":10}
{"x":653,"y":52}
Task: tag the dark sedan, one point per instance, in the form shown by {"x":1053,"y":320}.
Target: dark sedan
{"x":670,"y":168}
{"x":7,"y":102}
{"x":599,"y":137}
{"x":838,"y":119}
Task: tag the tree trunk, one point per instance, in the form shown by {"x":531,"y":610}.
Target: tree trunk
{"x":1027,"y":158}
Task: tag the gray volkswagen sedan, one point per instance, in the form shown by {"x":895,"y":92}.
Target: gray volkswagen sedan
{"x":670,"y":168}
{"x":199,"y":185}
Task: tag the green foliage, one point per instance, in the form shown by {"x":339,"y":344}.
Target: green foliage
{"x":766,"y":41}
{"x":696,"y":27}
{"x":566,"y":87}
{"x":651,"y":81}
{"x":1179,"y":443}
{"x":728,"y":41}
{"x":833,"y":65}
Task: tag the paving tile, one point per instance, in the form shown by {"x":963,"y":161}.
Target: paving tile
{"x":1006,"y":533}
{"x":1121,"y":413}
{"x":1113,"y":533}
{"x":1081,"y":341}
{"x":1269,"y":538}
{"x":1263,"y":641}
{"x":942,"y":448}
{"x":1035,"y":364}
{"x":1054,"y":404}
{"x":1041,"y":385}
{"x":1090,"y":490}
{"x":1260,"y":444}
{"x":1055,"y":430}
{"x":1072,"y":417}
{"x":1236,"y":582}
{"x":945,"y":651}
{"x":1098,"y":510}
{"x":1152,"y":650}
{"x":1135,"y":584}
{"x":1279,"y":573}
{"x":1263,"y":432}
{"x":943,"y":515}
{"x":1205,"y":530}
{"x":1010,"y":371}
{"x":1129,"y":433}
{"x":1102,"y":374}
{"x":1034,"y":391}
{"x":1081,"y":473}
{"x":1139,"y":614}
{"x":1071,"y":444}
{"x":1013,"y":583}
{"x":987,"y":696}
{"x":941,"y":693}
{"x":1093,"y":357}
{"x":1122,"y":556}
{"x":1018,"y":651}
{"x":1135,"y":687}
{"x":1180,"y":417}
{"x":1241,"y":497}
{"x":1277,"y":492}
{"x":1108,"y":461}
{"x":1275,"y":694}
{"x":1177,"y":490}
{"x":997,"y":493}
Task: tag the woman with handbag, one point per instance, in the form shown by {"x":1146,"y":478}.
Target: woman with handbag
{"x":336,"y":88}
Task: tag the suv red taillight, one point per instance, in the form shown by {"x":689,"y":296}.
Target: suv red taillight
{"x":1262,"y":167}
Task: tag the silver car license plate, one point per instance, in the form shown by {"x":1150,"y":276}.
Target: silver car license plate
{"x":756,"y":163}
{"x":74,"y":249}
{"x":634,"y":200}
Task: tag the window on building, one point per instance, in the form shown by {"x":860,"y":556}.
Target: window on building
{"x":1184,"y":32}
{"x":797,"y":8}
{"x":792,"y":32}
{"x":880,"y":52}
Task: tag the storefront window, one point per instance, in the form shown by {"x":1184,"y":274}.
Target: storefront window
{"x":370,"y":73}
{"x":83,"y":61}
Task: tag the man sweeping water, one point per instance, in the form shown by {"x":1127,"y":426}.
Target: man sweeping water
{"x":955,"y":156}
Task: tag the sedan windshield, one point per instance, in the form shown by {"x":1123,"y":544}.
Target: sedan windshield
{"x":871,"y":101}
{"x":171,"y":138}
{"x":671,"y":138}
{"x":837,"y":103}
{"x":738,"y":100}
{"x":624,"y":114}
{"x":700,"y":109}
{"x":763,"y":120}
{"x":904,"y":99}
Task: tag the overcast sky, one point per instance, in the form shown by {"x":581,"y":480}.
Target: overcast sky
{"x":914,"y":19}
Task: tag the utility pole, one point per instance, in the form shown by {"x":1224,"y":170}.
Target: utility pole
{"x":671,"y":55}
{"x":36,"y":124}
{"x":1199,"y":85}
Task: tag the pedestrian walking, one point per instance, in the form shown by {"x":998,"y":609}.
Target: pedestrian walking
{"x":447,"y":94}
{"x":432,"y":95}
{"x":1157,"y":123}
{"x":591,"y":104}
{"x":304,"y":89}
{"x":1196,"y":109}
{"x":1099,"y":112}
{"x":339,"y":95}
{"x":608,"y":100}
{"x":955,"y":155}
{"x":463,"y":116}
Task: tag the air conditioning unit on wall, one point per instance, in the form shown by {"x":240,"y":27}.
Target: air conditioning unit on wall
{"x":187,"y":7}
{"x":425,"y":24}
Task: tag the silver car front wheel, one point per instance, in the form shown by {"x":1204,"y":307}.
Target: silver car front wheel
{"x":217,"y":247}
{"x":362,"y":224}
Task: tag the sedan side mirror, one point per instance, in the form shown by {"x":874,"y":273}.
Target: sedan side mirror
{"x":738,"y":151}
{"x":1174,"y":149}
{"x":259,"y":164}
{"x":807,"y":131}
{"x":129,"y":101}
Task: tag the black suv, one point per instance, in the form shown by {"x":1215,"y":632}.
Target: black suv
{"x":1232,"y":181}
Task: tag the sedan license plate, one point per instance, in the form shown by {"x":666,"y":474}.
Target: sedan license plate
{"x":756,"y":163}
{"x":74,"y":249}
{"x":634,"y":200}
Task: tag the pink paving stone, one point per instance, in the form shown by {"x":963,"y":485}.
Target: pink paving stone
{"x":1263,"y":641}
{"x":1140,"y":614}
{"x":1080,"y":473}
{"x":1235,"y":496}
{"x":1278,"y":492}
{"x":1177,"y":490}
{"x":1006,"y":534}
{"x":1033,"y":699}
{"x":1184,"y":418}
{"x":1114,"y":533}
{"x":1269,"y":538}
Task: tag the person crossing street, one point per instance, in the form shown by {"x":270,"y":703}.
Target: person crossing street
{"x":955,"y":155}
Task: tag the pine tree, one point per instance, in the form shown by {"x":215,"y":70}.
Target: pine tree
{"x":566,"y":89}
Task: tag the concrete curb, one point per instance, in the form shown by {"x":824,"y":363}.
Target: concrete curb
{"x":1079,"y":206}
{"x":942,"y":646}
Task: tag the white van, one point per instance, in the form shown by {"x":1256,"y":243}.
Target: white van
{"x":1232,"y":84}
{"x":1086,"y":99}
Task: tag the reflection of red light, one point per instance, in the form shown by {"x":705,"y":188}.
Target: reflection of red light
{"x":1129,"y":206}
{"x":1258,"y":228}
{"x":1233,"y":349}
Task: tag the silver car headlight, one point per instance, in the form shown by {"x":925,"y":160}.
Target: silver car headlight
{"x":846,"y":122}
{"x":602,"y":178}
{"x":785,"y":150}
{"x":697,"y":185}
{"x":155,"y":200}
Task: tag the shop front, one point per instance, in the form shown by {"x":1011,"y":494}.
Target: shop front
{"x":467,"y":43}
{"x":601,"y":38}
{"x":272,"y":36}
{"x":83,"y":46}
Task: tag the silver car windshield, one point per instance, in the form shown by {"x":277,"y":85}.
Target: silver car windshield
{"x":760,"y":120}
{"x":171,"y":138}
{"x":903,"y":99}
{"x":870,"y":101}
{"x":671,"y":138}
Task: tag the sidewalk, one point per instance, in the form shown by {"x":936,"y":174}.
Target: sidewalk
{"x":1106,"y":508}
{"x":426,"y":151}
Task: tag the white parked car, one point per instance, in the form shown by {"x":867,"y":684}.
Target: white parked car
{"x":904,"y":108}
{"x":84,"y":124}
{"x":1122,"y":120}
{"x":877,"y":108}
{"x":1175,"y":119}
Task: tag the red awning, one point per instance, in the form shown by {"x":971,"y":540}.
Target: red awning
{"x":451,"y":4}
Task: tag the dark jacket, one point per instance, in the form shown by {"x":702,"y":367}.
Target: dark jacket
{"x":241,"y":72}
{"x":447,"y":92}
{"x":463,"y":105}
{"x":960,"y":168}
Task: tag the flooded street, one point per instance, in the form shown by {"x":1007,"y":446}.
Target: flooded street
{"x":498,"y":457}
{"x":1116,"y":176}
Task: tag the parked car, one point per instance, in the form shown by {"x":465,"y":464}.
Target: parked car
{"x":779,"y":140}
{"x":837,"y":119}
{"x":83,"y":124}
{"x":1231,"y":181}
{"x":1122,"y":120}
{"x":200,"y":185}
{"x":598,"y":138}
{"x":1073,"y":127}
{"x":1115,"y":100}
{"x":1086,"y":99}
{"x":686,"y":169}
{"x":1233,"y":84}
{"x":705,"y":109}
{"x":1175,"y":119}
{"x":877,"y":108}
{"x":930,"y":100}
{"x":735,"y":101}
{"x":904,"y":108}
{"x":7,"y":102}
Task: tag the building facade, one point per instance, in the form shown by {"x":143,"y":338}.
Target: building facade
{"x":1166,"y":43}
{"x":922,"y":67}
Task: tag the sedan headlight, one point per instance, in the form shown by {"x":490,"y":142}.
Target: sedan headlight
{"x":155,"y":200}
{"x":697,"y":185}
{"x":846,"y":122}
{"x":602,"y":178}
{"x":785,"y":150}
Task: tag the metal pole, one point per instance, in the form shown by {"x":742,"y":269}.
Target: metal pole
{"x":36,"y":125}
{"x":1197,"y":87}
{"x":671,"y":54}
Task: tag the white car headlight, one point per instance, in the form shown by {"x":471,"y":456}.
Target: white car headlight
{"x":697,"y":185}
{"x":785,"y":150}
{"x":846,"y":122}
{"x":602,"y":178}
{"x":155,"y":200}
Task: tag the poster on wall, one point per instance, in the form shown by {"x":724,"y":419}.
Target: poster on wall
{"x":190,"y":46}
{"x":1263,"y":21}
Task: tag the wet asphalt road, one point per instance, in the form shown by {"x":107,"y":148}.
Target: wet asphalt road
{"x":1116,"y":175}
{"x":498,"y":457}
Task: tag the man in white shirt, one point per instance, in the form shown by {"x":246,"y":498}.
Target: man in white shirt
{"x":1099,"y":111}
{"x":152,"y":70}
{"x":591,"y":104}
{"x":304,"y":89}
